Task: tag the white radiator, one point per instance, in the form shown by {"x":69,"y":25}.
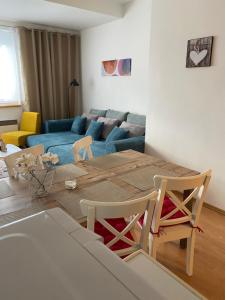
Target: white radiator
{"x":8,"y":125}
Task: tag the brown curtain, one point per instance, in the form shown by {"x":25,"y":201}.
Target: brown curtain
{"x":50,"y":60}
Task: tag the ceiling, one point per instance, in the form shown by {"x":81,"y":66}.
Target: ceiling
{"x":61,"y":13}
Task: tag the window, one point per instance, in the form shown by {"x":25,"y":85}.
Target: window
{"x":10,"y":77}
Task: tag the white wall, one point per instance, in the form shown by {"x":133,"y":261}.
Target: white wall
{"x":187,"y":111}
{"x":185,"y":107}
{"x":128,"y":37}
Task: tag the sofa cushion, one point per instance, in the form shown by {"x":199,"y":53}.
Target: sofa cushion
{"x":53,"y":139}
{"x":78,"y":125}
{"x":109,"y":124}
{"x":98,"y":148}
{"x":134,"y":130}
{"x":114,"y":114}
{"x":95,"y":130}
{"x":117,"y":134}
{"x":65,"y":152}
{"x":89,"y":118}
{"x":98,"y":112}
{"x":136,"y":119}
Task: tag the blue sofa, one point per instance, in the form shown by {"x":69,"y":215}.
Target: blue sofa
{"x":59,"y":139}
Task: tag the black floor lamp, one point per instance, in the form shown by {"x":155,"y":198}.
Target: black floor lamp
{"x":73,"y":83}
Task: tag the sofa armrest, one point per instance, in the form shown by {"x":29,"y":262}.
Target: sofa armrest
{"x":135,"y":143}
{"x":58,"y":125}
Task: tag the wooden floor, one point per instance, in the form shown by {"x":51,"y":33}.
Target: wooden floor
{"x":209,"y":263}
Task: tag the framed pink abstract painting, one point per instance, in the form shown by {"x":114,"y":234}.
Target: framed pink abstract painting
{"x":116,"y":67}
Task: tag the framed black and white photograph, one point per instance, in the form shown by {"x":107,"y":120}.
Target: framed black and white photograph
{"x":199,"y":52}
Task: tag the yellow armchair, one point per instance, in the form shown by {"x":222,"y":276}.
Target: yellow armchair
{"x":30,"y":125}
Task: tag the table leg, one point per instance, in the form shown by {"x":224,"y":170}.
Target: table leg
{"x":183,"y":243}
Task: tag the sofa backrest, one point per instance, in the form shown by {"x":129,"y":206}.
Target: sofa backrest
{"x":136,"y":119}
{"x":130,"y":118}
{"x":58,"y":125}
{"x":115,"y":114}
{"x":98,"y":112}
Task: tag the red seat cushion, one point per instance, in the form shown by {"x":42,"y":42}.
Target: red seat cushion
{"x":168,"y":206}
{"x":119,"y":224}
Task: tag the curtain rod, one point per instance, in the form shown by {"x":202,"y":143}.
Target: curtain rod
{"x":36,"y":26}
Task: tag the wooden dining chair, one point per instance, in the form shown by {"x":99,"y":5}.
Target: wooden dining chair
{"x":172,"y":219}
{"x":82,"y":149}
{"x":10,"y":160}
{"x":116,"y":221}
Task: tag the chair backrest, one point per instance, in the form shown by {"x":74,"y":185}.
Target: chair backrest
{"x":181,"y":191}
{"x":31,"y":122}
{"x":131,"y":211}
{"x":82,"y":149}
{"x":10,"y":160}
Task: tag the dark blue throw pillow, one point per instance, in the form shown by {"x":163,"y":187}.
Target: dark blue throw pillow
{"x":78,"y":125}
{"x":117,"y":134}
{"x":95,"y":129}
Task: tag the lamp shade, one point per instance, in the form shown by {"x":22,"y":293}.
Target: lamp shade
{"x":74,"y":82}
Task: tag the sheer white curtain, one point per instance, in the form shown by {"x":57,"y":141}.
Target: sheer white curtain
{"x":10,"y":77}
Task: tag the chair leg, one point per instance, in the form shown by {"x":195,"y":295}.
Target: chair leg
{"x":153,"y":246}
{"x":190,"y":253}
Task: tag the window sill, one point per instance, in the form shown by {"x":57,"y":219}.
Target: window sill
{"x":9,"y":105}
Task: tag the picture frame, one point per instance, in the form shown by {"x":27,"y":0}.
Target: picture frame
{"x":117,"y":67}
{"x":199,"y":52}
